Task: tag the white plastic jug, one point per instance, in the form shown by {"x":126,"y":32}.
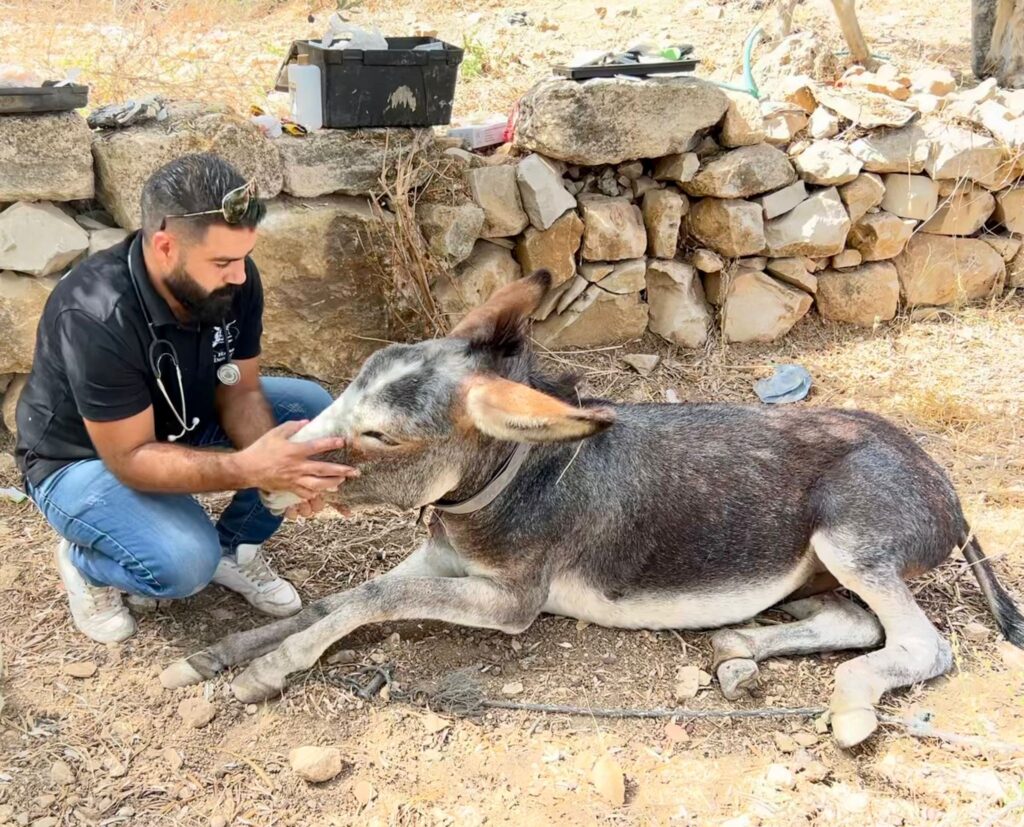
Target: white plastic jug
{"x":304,"y":90}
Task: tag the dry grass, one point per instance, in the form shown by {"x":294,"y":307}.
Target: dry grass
{"x":229,"y":50}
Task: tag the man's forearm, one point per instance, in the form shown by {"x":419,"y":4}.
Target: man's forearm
{"x":163,"y":468}
{"x":245,"y":416}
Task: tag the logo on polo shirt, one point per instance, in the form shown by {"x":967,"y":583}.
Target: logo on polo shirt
{"x":224,"y":350}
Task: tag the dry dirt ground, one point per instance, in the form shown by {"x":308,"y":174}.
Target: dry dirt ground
{"x":230,"y":50}
{"x":956,"y":382}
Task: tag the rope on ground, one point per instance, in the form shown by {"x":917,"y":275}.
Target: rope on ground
{"x":459,"y":693}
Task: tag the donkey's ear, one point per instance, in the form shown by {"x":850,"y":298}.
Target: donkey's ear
{"x":517,"y":413}
{"x":500,"y":322}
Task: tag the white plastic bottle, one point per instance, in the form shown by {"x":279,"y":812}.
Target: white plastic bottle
{"x":304,"y":89}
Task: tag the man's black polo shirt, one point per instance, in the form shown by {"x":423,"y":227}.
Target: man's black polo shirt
{"x":92,"y":359}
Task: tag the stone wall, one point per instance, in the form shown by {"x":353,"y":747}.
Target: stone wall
{"x":665,"y":205}
{"x":751,"y":214}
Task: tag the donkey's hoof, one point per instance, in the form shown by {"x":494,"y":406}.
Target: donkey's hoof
{"x":729,"y":644}
{"x":249,"y":689}
{"x":178,"y":674}
{"x":852,"y":726}
{"x":736,"y":677}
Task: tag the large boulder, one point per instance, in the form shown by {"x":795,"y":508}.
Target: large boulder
{"x":880,"y":235}
{"x":757,"y":308}
{"x":597,"y":318}
{"x":861,"y":194}
{"x":622,"y":277}
{"x":743,"y":124}
{"x":451,"y":230}
{"x":126,"y":158}
{"x":817,"y":227}
{"x":910,"y":196}
{"x":663,"y":212}
{"x":327,"y":292}
{"x":1010,"y":209}
{"x":963,"y":211}
{"x":782,"y":201}
{"x":553,"y":249}
{"x":793,"y":271}
{"x":678,"y":168}
{"x":39,"y":239}
{"x":496,"y":191}
{"x":45,"y":157}
{"x":861,"y":296}
{"x":100,"y":240}
{"x":489,"y":267}
{"x":731,"y":227}
{"x":544,"y":196}
{"x":350,"y":161}
{"x":22,"y":299}
{"x":613,"y":228}
{"x":893,"y":150}
{"x":827,"y":163}
{"x":740,"y":173}
{"x":584,"y":123}
{"x":937,"y":270}
{"x":678,"y":310}
{"x":959,"y":153}
{"x":10,"y":401}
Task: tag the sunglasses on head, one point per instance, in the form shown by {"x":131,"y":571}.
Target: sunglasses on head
{"x":233,"y":206}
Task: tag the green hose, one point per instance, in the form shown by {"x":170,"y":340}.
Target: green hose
{"x":750,"y":86}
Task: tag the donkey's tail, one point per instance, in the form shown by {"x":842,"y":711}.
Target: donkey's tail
{"x":1007,"y":614}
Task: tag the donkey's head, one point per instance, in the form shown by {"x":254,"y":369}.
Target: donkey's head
{"x":429,"y":419}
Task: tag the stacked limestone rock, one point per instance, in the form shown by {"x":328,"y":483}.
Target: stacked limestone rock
{"x":663,"y":199}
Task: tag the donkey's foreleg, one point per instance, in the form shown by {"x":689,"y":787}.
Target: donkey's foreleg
{"x":435,"y":558}
{"x":468,"y":601}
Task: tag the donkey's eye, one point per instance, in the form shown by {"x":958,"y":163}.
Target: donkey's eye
{"x":377,"y":436}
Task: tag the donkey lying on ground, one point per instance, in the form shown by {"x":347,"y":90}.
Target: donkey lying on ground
{"x":629,"y":516}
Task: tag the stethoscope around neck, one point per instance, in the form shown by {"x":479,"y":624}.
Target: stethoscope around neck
{"x":161,"y":348}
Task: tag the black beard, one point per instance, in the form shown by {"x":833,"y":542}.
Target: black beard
{"x":205,"y":308}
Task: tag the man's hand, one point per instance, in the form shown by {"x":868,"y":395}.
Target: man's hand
{"x":273,"y":463}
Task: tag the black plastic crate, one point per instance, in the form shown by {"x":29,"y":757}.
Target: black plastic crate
{"x":394,"y":87}
{"x":20,"y":100}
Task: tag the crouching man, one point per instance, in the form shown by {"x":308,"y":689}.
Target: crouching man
{"x":146,"y":390}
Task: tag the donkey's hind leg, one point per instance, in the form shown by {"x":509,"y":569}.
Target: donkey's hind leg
{"x":825,"y":623}
{"x":914,"y":650}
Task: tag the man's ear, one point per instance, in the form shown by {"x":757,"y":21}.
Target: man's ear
{"x":514,"y":412}
{"x":499,"y":324}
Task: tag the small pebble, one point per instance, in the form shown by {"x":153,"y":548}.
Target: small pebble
{"x":364,"y":792}
{"x":197,"y":712}
{"x":609,"y":781}
{"x":84,"y":669}
{"x":344,"y":656}
{"x":975,"y":632}
{"x":784,"y":742}
{"x":315,"y":764}
{"x":780,"y":777}
{"x":61,"y":774}
{"x":805,"y":739}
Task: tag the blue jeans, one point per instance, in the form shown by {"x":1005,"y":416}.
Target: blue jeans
{"x":161,"y":545}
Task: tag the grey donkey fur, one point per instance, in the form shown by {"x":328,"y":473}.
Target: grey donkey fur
{"x":691,"y":516}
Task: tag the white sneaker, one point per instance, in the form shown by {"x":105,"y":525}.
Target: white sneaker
{"x":97,"y":611}
{"x":248,"y":573}
{"x":141,"y":603}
